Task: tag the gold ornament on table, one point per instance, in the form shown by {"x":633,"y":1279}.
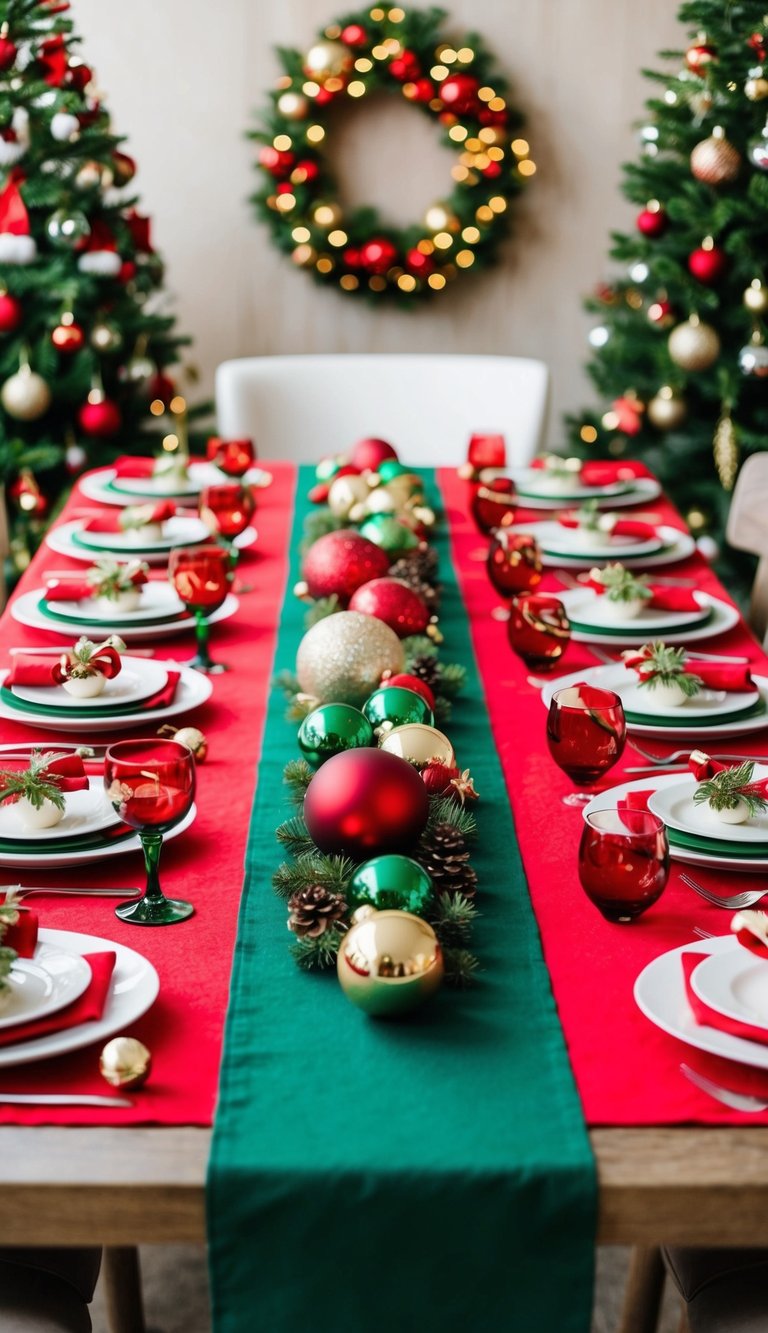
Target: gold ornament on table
{"x":726,"y":450}
{"x":419,"y":744}
{"x":667,"y":409}
{"x":343,"y":657}
{"x":389,"y":962}
{"x":716,"y":161}
{"x":756,"y":297}
{"x":194,"y":739}
{"x":125,"y":1062}
{"x":694,"y":345}
{"x":346,"y":493}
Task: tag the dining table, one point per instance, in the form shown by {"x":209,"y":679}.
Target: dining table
{"x":671,"y":1165}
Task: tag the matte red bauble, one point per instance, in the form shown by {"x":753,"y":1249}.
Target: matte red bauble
{"x":378,"y":254}
{"x":305,"y":172}
{"x":11,"y":313}
{"x":652,"y":222}
{"x":408,"y":682}
{"x":459,"y":92}
{"x":395,"y":603}
{"x":68,"y":337}
{"x":101,"y":418}
{"x":420,"y":90}
{"x":8,"y":53}
{"x":698,"y":56}
{"x":340,"y":562}
{"x":707,"y":265}
{"x":493,"y":505}
{"x":364,"y":803}
{"x":368,"y":454}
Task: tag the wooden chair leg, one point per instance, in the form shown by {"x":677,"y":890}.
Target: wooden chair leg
{"x":122,"y":1277}
{"x":644,"y":1290}
{"x":684,"y":1326}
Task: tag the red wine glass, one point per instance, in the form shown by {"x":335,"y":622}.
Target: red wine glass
{"x":514,"y":562}
{"x":232,"y":457}
{"x":538,"y":629}
{"x":151,"y":785}
{"x":623,"y":862}
{"x":586,"y":733}
{"x":227,"y":510}
{"x":201,"y":577}
{"x":486,"y":451}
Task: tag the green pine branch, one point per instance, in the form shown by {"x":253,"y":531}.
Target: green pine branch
{"x":444,"y":810}
{"x":332,"y":872}
{"x":314,"y":955}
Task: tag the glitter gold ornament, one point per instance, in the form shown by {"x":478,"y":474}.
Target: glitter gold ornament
{"x":345,"y":493}
{"x":715,"y":160}
{"x":125,"y":1062}
{"x":419,"y":744}
{"x":106,"y":337}
{"x":756,"y":297}
{"x":667,"y":410}
{"x":342,"y":658}
{"x":389,"y":962}
{"x":726,"y":451}
{"x":694,"y":345}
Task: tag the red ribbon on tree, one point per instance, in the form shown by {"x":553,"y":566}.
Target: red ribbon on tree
{"x":54,"y":59}
{"x":14,"y":217}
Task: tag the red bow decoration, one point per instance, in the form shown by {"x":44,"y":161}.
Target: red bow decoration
{"x":54,"y":59}
{"x":14,"y":217}
{"x":139,"y":227}
{"x":703,"y":766}
{"x":104,"y":658}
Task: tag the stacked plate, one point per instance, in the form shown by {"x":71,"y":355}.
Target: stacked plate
{"x":722,"y":714}
{"x":538,"y":489}
{"x":593,"y":620}
{"x":107,"y":487}
{"x":161,"y":614}
{"x":126,"y":701}
{"x":571,"y":549}
{"x":74,"y":540}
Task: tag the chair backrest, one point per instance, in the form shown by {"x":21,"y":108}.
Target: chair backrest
{"x":747,"y":530}
{"x":303,"y":407}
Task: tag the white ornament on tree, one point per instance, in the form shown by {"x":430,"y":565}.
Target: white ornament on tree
{"x":64,"y":127}
{"x":25,"y":396}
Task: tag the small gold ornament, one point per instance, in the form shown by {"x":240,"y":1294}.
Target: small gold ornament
{"x":194,"y":739}
{"x":756,"y":297}
{"x":756,"y":88}
{"x":294,"y":106}
{"x":125,"y":1062}
{"x":440,"y":218}
{"x":345,"y":493}
{"x":343,"y":657}
{"x":667,"y":410}
{"x":694,"y":345}
{"x":420,"y":745}
{"x":726,"y":450}
{"x":389,"y":962}
{"x":327,"y":215}
{"x":106,"y":337}
{"x":715,"y":160}
{"x":326,"y":60}
{"x":697,"y":521}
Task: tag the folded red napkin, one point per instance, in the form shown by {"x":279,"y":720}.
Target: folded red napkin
{"x":68,"y":590}
{"x":703,"y":767}
{"x":165,"y":696}
{"x":22,"y":934}
{"x":595,"y":472}
{"x":702,"y":1012}
{"x":732,"y":677}
{"x":662,"y":598}
{"x":88,"y":1008}
{"x":110,"y":521}
{"x":635,"y":800}
{"x":622,"y":527}
{"x":104,"y":658}
{"x":129,"y":466}
{"x":29,"y":669}
{"x":67,"y":772}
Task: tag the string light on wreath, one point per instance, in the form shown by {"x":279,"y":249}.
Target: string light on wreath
{"x":403,"y":53}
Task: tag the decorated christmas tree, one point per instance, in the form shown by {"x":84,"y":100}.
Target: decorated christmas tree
{"x":680,"y":355}
{"x":84,"y":344}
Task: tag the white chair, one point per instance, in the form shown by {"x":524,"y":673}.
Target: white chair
{"x":302,"y":407}
{"x":747,"y":530}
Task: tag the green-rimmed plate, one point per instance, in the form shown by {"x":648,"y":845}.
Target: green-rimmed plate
{"x":180,"y":530}
{"x":26,"y":610}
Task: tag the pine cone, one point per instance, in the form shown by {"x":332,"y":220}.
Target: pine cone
{"x":430,"y":595}
{"x":420,"y":563}
{"x":427,"y":668}
{"x":443,"y":854}
{"x":312,"y":910}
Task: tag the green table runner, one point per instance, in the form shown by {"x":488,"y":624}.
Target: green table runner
{"x":432,"y":1173}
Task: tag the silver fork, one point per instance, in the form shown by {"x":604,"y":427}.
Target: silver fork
{"x":734,"y":902}
{"x":664,"y":760}
{"x":131,"y":892}
{"x":702,"y":933}
{"x":738,"y":1101}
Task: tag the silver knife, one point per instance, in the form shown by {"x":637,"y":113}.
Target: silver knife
{"x":61,"y":1099}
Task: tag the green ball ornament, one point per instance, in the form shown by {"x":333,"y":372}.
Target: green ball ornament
{"x":391,"y":882}
{"x":393,"y":706}
{"x":389,"y":468}
{"x":389,"y":533}
{"x":332,"y":728}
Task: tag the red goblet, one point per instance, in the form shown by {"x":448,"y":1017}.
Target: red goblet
{"x":201,"y":576}
{"x":623,"y":862}
{"x":227,"y":510}
{"x":486,"y":451}
{"x":514,"y":562}
{"x":151,"y":785}
{"x":538,"y":630}
{"x":232,"y":457}
{"x":586,"y":733}
{"x":493,"y":504}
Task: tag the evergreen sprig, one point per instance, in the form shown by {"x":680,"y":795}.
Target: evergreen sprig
{"x":666,"y":666}
{"x":332,"y":872}
{"x":297,"y":776}
{"x":294,"y":836}
{"x":461,"y":967}
{"x":453,"y":917}
{"x":319,"y":954}
{"x":728,"y":787}
{"x":444,"y":810}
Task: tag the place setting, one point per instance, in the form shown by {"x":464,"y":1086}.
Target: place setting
{"x":552,"y":481}
{"x":578,"y":539}
{"x":613,"y":604}
{"x":174,"y":476}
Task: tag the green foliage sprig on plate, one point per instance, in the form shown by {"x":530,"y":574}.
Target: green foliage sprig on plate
{"x":666,"y":666}
{"x":728,"y":788}
{"x":620,"y":584}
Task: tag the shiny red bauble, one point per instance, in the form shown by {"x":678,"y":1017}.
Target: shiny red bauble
{"x":278,"y":163}
{"x":493,"y":504}
{"x":8,"y":53}
{"x":459,"y":93}
{"x":354,"y":35}
{"x":707,"y":265}
{"x":378,"y":254}
{"x":305,"y":172}
{"x":419,"y":264}
{"x":420,"y":90}
{"x":394,"y":602}
{"x":11,"y":313}
{"x":405,"y":67}
{"x":101,"y":418}
{"x":698,"y":56}
{"x":652,"y":222}
{"x":368,"y":454}
{"x":338,"y":563}
{"x":68,"y":338}
{"x":408,"y":682}
{"x":364,"y":803}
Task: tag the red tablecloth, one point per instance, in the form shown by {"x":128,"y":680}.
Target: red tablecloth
{"x":184,"y":1028}
{"x":627,"y":1071}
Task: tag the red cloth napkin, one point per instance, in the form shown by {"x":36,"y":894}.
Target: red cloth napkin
{"x":150,"y":513}
{"x":22,"y":936}
{"x":128,"y":466}
{"x":104,"y":658}
{"x":703,"y":767}
{"x":31,"y":669}
{"x":702,"y":1012}
{"x":161,"y":698}
{"x":635,"y":800}
{"x":68,"y":590}
{"x":88,"y":1008}
{"x":662,"y":598}
{"x":728,"y":676}
{"x":598,"y":473}
{"x":67,"y":772}
{"x":623,"y":527}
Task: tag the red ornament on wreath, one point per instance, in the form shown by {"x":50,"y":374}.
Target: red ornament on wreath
{"x":369,"y":454}
{"x":8,"y":52}
{"x":459,"y":93}
{"x":408,"y":682}
{"x":394,"y":602}
{"x":340,"y":562}
{"x":420,"y":90}
{"x":405,"y":67}
{"x":377,"y":255}
{"x":652,"y":221}
{"x":708,"y":263}
{"x":305,"y":172}
{"x":279,"y":163}
{"x":419,"y":264}
{"x":11,"y":313}
{"x":365,"y":803}
{"x":354,"y":35}
{"x":100,"y":416}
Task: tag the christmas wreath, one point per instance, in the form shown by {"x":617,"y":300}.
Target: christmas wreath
{"x":357,"y":251}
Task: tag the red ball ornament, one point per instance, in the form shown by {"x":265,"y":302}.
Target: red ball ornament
{"x":405,"y":67}
{"x":493,"y":505}
{"x":68,"y":336}
{"x":661,"y":313}
{"x":492,"y":171}
{"x":276,"y":162}
{"x":324,"y":95}
{"x":418,"y":264}
{"x":368,"y":454}
{"x":351,"y":257}
{"x":340,"y":562}
{"x":354,"y":35}
{"x":419,"y":90}
{"x":162,"y":387}
{"x":8,"y":53}
{"x":378,"y":254}
{"x":394,"y":602}
{"x":629,"y":412}
{"x":437,"y":778}
{"x":127,"y":271}
{"x":305,"y":172}
{"x":123,"y":167}
{"x":459,"y":93}
{"x":698,"y":56}
{"x":100,"y":416}
{"x":11,"y":313}
{"x":408,"y":682}
{"x":708,"y":265}
{"x":365,"y":803}
{"x":652,"y":222}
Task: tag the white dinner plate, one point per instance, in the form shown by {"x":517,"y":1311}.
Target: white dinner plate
{"x":26,"y":611}
{"x":675,"y":805}
{"x":660,"y":995}
{"x":138,"y":679}
{"x":676,"y":545}
{"x":593,"y":611}
{"x":181,"y":530}
{"x":735,"y":984}
{"x":608,"y":799}
{"x":65,"y":860}
{"x":705,"y":706}
{"x":87,"y":811}
{"x":44,"y":984}
{"x":194,"y":688}
{"x":59,"y":539}
{"x":641,"y":490}
{"x":159,"y":601}
{"x":133,"y":990}
{"x":557,"y":541}
{"x":723,"y":617}
{"x":103,"y":485}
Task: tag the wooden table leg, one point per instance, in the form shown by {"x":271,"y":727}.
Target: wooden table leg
{"x":122,"y":1277}
{"x":644,"y":1290}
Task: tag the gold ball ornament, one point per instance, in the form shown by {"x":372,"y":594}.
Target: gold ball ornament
{"x":294,"y":106}
{"x":440,"y":218}
{"x":419,"y":744}
{"x":326,"y":60}
{"x":195,"y":740}
{"x":667,"y":410}
{"x":715,"y":161}
{"x":756,"y":88}
{"x":89,"y":176}
{"x":345,"y":493}
{"x":106,"y":337}
{"x":380,"y":501}
{"x":25,"y":396}
{"x":125,"y":1062}
{"x":389,"y":962}
{"x":694,"y":345}
{"x":343,"y":657}
{"x":756,"y":297}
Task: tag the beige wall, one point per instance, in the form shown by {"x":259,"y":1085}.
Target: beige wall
{"x":181,"y":78}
